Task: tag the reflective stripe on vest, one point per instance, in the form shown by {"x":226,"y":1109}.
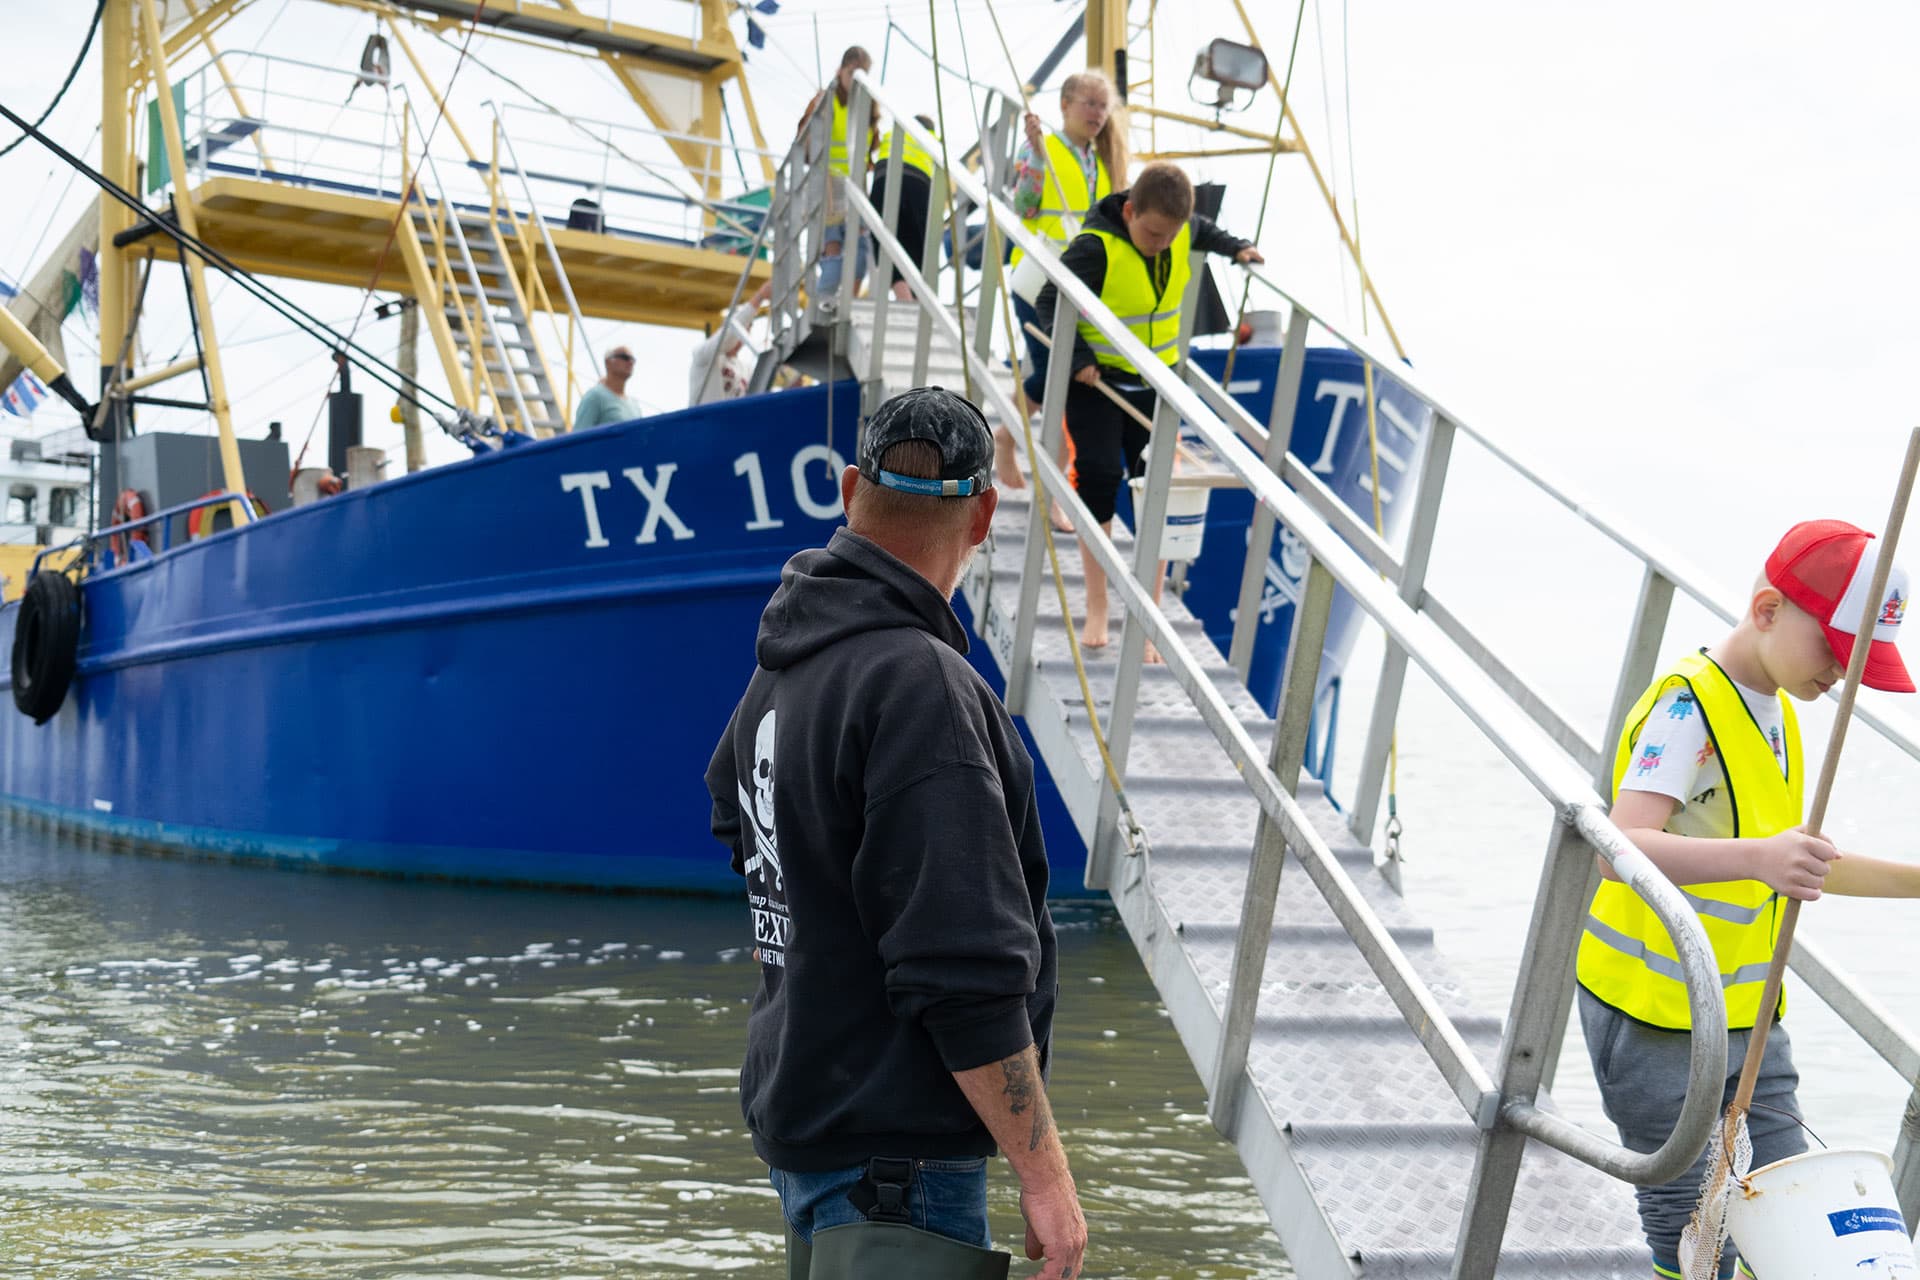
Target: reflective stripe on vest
{"x":1130,"y":292}
{"x":1626,"y":957}
{"x":837,"y":148}
{"x":1069,"y":197}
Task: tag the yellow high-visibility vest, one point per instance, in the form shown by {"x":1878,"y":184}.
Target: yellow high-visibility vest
{"x":912,"y":154}
{"x":1068,"y":197}
{"x":1626,"y":957}
{"x":1149,"y":307}
{"x":837,"y":148}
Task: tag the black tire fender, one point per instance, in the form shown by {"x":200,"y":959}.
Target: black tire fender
{"x":46,"y":645}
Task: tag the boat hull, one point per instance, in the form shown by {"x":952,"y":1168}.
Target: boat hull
{"x":510,"y":669}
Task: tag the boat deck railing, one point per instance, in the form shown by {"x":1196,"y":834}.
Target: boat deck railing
{"x":1387,"y":580}
{"x":250,"y":115}
{"x":87,"y":549}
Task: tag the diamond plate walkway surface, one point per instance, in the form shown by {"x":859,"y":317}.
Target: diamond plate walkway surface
{"x":1360,"y":1151}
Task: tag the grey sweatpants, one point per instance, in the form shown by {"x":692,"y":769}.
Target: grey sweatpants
{"x":1642,"y":1072}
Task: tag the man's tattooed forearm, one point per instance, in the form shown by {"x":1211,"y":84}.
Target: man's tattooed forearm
{"x":1020,"y":1088}
{"x":1042,"y":1121}
{"x":1025,"y":1092}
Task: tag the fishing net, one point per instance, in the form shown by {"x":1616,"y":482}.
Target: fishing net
{"x":1706,"y":1234}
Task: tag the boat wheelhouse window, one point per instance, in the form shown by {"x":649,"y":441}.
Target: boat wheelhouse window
{"x":20,"y":504}
{"x":64,"y":507}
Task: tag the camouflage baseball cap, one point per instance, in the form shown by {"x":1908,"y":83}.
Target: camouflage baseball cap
{"x":951,"y":423}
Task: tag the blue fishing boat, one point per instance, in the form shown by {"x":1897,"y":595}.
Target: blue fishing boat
{"x":509,"y":667}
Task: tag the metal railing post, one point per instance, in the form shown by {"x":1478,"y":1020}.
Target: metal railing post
{"x":930,"y":271}
{"x":1641,"y":660}
{"x":1253,"y":575}
{"x":1149,"y":521}
{"x":987,"y":304}
{"x":1393,"y":667}
{"x":1906,"y":1158}
{"x":1286,"y":758}
{"x":1534,"y":1027}
{"x":859,"y":112}
{"x":962,"y":206}
{"x":1020,"y":664}
{"x":873,"y":389}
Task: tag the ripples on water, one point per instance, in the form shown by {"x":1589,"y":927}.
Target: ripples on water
{"x":208,"y":1069}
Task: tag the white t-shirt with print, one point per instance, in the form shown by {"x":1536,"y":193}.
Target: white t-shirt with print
{"x":1674,"y":756}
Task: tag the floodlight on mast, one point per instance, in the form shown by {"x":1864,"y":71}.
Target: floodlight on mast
{"x":1231,"y":67}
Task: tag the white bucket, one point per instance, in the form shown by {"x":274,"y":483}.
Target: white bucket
{"x":1823,"y":1216}
{"x":1186,"y":525}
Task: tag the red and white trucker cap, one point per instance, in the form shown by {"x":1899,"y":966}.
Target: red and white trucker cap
{"x":1826,"y":567}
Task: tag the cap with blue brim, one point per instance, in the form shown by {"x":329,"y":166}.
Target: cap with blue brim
{"x":952,"y":424}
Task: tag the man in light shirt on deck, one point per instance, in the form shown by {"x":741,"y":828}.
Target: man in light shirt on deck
{"x":606,"y":401}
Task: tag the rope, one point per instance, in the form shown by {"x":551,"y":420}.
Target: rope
{"x":1130,"y":824}
{"x":1130,"y":828}
{"x":1266,"y":192}
{"x":932,"y":57}
{"x":92,"y":29}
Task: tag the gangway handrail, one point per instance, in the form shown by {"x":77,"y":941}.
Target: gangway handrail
{"x":1902,"y":730}
{"x":1526,"y":746}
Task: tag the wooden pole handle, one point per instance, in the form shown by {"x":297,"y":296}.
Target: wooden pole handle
{"x":1099,"y":384}
{"x":1817,"y":814}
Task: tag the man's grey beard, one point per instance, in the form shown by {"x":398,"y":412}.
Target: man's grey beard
{"x":960,"y":574}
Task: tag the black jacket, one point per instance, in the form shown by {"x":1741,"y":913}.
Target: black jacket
{"x":881,"y":806}
{"x":1086,"y":257}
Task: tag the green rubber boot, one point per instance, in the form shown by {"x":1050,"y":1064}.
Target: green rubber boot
{"x":799,"y":1257}
{"x":882,"y":1250}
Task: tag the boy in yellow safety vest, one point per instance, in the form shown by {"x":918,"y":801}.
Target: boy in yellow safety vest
{"x":1135,"y":252}
{"x":1707,"y":779}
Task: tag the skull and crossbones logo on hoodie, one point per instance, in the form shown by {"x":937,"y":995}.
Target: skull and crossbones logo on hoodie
{"x":760,"y":805}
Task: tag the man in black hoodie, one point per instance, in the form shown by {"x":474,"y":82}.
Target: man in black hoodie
{"x":1135,"y":251}
{"x":881,"y":807}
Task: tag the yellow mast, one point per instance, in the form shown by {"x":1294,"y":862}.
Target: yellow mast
{"x":116,"y":162}
{"x":234,"y":476}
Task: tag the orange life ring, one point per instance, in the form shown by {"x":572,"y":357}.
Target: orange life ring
{"x":200,"y":519}
{"x":129,"y":506}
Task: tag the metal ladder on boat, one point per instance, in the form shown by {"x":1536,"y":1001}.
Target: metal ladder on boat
{"x":481,"y":319}
{"x":1389,"y":1128}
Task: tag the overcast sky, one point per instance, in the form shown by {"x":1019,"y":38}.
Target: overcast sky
{"x":1664,"y":244}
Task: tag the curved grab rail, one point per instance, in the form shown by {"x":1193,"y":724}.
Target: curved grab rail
{"x":1542,"y":761}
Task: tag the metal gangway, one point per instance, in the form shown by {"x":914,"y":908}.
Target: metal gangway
{"x":1389,"y":1128}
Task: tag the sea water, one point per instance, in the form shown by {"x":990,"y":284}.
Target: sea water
{"x":210,"y":1069}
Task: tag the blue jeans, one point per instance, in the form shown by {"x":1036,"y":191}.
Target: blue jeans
{"x":1035,"y":384}
{"x":830,"y":268}
{"x":946,"y":1197}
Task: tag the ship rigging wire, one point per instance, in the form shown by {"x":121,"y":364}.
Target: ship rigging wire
{"x":400,"y":215}
{"x":1266,"y":190}
{"x":93,"y":29}
{"x":285,"y":307}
